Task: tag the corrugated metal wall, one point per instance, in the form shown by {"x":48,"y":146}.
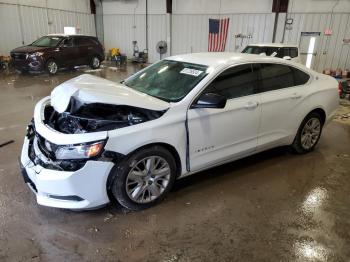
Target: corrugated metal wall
{"x":332,"y":53}
{"x":24,"y":24}
{"x":120,"y":30}
{"x":124,"y":23}
{"x":190,"y":32}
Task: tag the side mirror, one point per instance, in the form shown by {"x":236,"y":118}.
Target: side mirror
{"x":287,"y":57}
{"x":210,"y":100}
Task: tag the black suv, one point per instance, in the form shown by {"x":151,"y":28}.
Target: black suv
{"x":51,"y":52}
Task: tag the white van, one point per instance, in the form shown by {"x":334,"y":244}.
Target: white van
{"x":285,"y":51}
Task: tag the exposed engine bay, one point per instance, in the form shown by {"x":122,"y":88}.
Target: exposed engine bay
{"x":83,"y":117}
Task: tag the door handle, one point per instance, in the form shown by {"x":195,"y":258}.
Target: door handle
{"x":251,"y":105}
{"x":295,"y":96}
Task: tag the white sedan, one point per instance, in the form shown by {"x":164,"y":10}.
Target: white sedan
{"x":94,"y":140}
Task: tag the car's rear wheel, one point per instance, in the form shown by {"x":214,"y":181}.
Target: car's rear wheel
{"x":143,"y":180}
{"x":95,"y":62}
{"x":51,"y":67}
{"x":309,"y":133}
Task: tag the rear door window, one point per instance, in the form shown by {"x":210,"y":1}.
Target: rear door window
{"x":293,"y":52}
{"x":300,"y":78}
{"x":273,"y":51}
{"x":68,"y":42}
{"x":282,"y":52}
{"x":82,"y":41}
{"x":275,"y":76}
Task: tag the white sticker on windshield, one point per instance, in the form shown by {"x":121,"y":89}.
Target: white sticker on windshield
{"x":192,"y":72}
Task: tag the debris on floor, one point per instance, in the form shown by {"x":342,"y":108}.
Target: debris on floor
{"x":93,"y":229}
{"x":113,"y":68}
{"x":7,"y":143}
{"x":108,"y":217}
{"x":343,"y":113}
{"x":93,"y":70}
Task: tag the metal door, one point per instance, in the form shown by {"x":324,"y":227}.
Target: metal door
{"x":308,"y":45}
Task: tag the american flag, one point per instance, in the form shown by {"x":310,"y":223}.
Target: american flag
{"x":218,"y":29}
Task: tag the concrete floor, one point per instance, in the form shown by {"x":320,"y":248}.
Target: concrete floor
{"x":274,"y":206}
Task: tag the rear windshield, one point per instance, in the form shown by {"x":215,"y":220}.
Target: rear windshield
{"x":167,"y":80}
{"x":47,"y":41}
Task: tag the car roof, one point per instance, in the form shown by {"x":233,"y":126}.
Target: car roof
{"x":215,"y":59}
{"x":69,"y":35}
{"x":274,"y":45}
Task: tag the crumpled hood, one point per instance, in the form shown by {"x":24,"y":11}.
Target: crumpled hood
{"x":92,"y":89}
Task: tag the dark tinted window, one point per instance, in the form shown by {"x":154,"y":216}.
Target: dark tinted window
{"x":68,"y":42}
{"x":287,"y":51}
{"x":260,"y":49}
{"x":300,"y":78}
{"x":275,"y":76}
{"x":235,"y":82}
{"x":282,"y":52}
{"x":293,"y":52}
{"x":82,"y":41}
{"x":271,"y":50}
{"x":94,"y":41}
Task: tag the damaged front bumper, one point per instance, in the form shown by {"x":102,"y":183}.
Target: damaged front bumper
{"x":81,"y":187}
{"x":84,"y":188}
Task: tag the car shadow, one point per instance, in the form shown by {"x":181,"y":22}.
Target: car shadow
{"x":229,"y":168}
{"x":216,"y":173}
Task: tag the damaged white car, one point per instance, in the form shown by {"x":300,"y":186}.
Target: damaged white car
{"x":94,"y":140}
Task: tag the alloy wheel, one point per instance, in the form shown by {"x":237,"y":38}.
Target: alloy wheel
{"x":310,"y":133}
{"x":95,"y":62}
{"x":148,"y":179}
{"x":52,"y":66}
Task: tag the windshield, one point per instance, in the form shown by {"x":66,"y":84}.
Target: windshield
{"x":47,"y":41}
{"x":167,"y":80}
{"x":269,"y":51}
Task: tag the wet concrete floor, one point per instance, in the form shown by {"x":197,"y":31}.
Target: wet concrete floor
{"x":274,"y":206}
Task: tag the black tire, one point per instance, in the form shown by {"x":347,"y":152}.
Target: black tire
{"x":95,"y":62}
{"x":51,"y":70}
{"x":3,"y":66}
{"x":119,"y":175}
{"x":23,"y":72}
{"x":297,"y":145}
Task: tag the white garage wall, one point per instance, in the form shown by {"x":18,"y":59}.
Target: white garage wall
{"x":23,"y":21}
{"x":190,"y":32}
{"x":332,"y":53}
{"x":190,"y":23}
{"x":125,"y":21}
{"x":317,"y":16}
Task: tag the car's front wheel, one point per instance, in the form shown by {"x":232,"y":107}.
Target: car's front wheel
{"x":95,"y":62}
{"x":308,"y":134}
{"x":51,"y":67}
{"x":143,"y":180}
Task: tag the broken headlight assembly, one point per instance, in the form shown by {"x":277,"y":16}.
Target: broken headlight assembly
{"x":83,"y":151}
